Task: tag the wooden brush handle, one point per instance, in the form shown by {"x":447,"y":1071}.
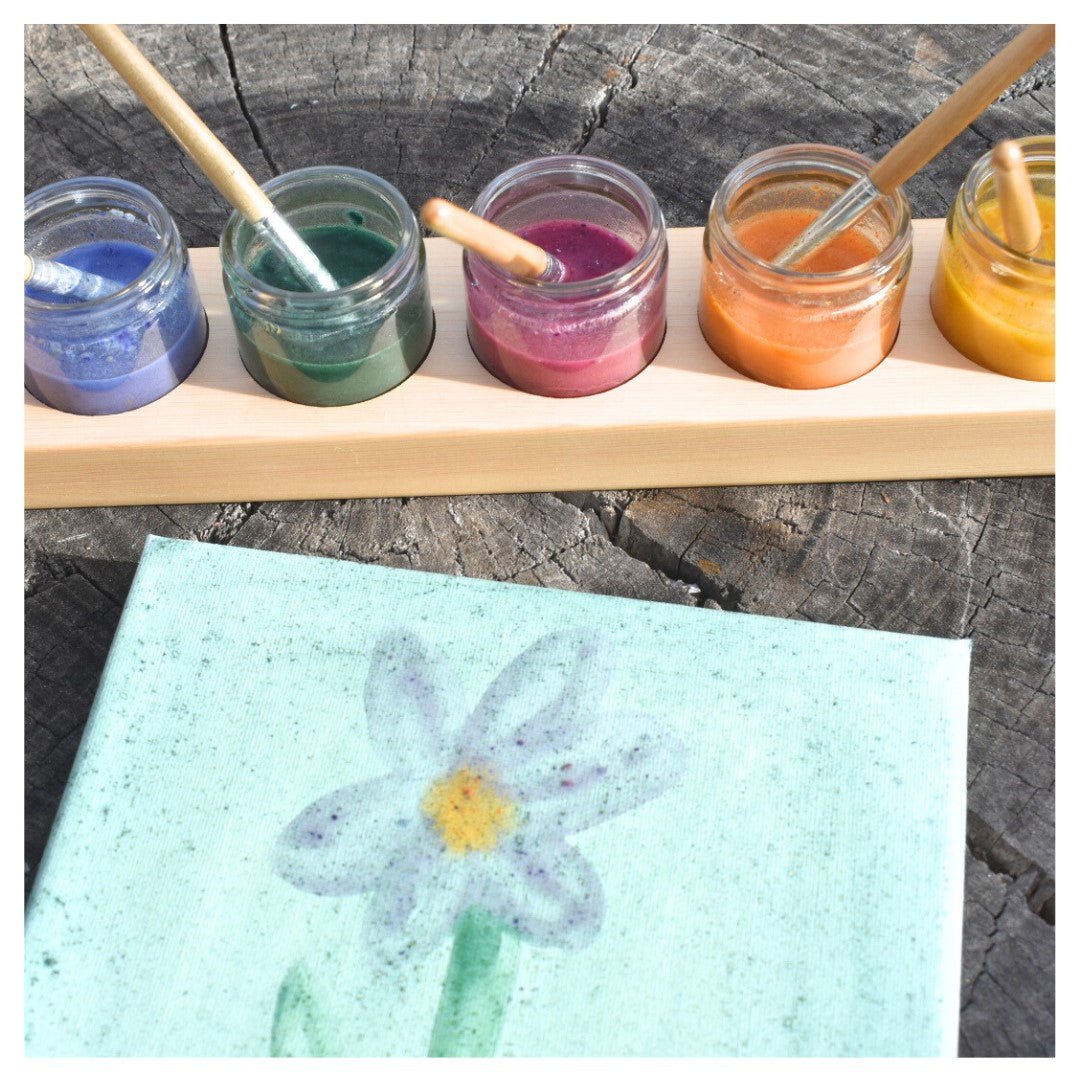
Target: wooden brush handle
{"x":500,"y":246}
{"x":954,"y":114}
{"x":1016,"y":197}
{"x":181,"y":121}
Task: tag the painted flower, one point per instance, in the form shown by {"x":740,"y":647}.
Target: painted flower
{"x":477,"y":804}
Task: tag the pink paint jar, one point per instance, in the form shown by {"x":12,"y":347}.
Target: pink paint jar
{"x":573,"y":337}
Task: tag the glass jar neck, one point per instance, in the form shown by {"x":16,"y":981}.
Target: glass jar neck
{"x":59,"y":216}
{"x":533,"y":192}
{"x":824,"y":173}
{"x":303,"y":196}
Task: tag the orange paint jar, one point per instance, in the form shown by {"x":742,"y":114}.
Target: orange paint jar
{"x":833,"y":317}
{"x":994,"y":304}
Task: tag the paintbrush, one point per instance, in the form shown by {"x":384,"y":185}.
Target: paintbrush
{"x":63,"y":280}
{"x":923,"y":142}
{"x":222,"y":169}
{"x":1016,"y":197}
{"x":500,"y":246}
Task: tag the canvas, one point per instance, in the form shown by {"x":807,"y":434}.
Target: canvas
{"x":323,"y":808}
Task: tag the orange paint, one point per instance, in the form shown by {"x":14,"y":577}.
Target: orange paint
{"x":799,"y":332}
{"x":766,"y":235}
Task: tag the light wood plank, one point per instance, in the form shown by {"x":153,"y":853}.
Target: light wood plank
{"x":688,"y":420}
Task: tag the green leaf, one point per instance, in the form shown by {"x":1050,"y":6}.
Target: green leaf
{"x":300,"y":1028}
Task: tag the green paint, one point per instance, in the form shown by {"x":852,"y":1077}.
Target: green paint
{"x":299,"y":1029}
{"x":356,"y":349}
{"x":479,"y":981}
{"x":350,"y":254}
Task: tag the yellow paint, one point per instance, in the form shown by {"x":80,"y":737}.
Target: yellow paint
{"x":991,"y":215}
{"x":1003,"y":317}
{"x":468,"y":811}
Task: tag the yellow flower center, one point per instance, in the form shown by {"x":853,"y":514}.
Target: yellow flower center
{"x":468,"y":811}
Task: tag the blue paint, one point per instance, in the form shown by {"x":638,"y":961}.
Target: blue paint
{"x":117,"y":260}
{"x":124,"y":358}
{"x":60,"y":280}
{"x":117,"y":352}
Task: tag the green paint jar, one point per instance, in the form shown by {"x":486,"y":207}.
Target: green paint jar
{"x":345,"y":346}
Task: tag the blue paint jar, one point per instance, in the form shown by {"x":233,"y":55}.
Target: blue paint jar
{"x":123,"y":350}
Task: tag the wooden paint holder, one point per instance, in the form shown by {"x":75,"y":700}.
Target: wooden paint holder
{"x":451,"y":428}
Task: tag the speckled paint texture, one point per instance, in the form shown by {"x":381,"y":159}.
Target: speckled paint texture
{"x":330,"y":809}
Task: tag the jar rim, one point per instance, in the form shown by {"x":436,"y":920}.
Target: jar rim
{"x":1035,"y":148}
{"x":577,"y":166}
{"x":368,"y":289}
{"x":44,"y":199}
{"x":835,"y":161}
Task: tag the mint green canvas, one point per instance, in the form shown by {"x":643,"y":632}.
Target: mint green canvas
{"x":322,"y":808}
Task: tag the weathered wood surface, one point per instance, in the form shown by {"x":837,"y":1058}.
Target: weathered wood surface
{"x":441,"y":110}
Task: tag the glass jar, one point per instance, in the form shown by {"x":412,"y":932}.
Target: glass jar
{"x":992,"y":303}
{"x":570,"y":338}
{"x":340,"y":347}
{"x":123,"y":350}
{"x":837,"y":315}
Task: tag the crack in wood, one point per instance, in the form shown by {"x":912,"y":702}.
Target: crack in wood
{"x":989,"y":944}
{"x":1000,"y":857}
{"x":230,"y":519}
{"x":234,"y":76}
{"x":527,"y":85}
{"x":51,"y":569}
{"x":598,"y":111}
{"x":625,"y":538}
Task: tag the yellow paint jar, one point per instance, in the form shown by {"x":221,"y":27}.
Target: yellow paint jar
{"x":992,"y":303}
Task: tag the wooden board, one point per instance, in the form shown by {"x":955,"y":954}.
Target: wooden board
{"x":688,"y":420}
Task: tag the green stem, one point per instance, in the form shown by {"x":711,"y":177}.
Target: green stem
{"x":480,"y":978}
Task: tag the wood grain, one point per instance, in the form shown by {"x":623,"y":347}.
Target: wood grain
{"x":961,"y":108}
{"x":181,"y":121}
{"x":451,"y":428}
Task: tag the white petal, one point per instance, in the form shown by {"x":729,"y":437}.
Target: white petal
{"x":341,"y":843}
{"x":541,"y":701}
{"x":415,"y":905}
{"x":413,"y":700}
{"x":550,"y":894}
{"x":625,"y":763}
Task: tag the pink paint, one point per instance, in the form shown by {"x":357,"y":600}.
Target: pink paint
{"x":605,"y":321}
{"x":564,"y":343}
{"x":586,"y":251}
